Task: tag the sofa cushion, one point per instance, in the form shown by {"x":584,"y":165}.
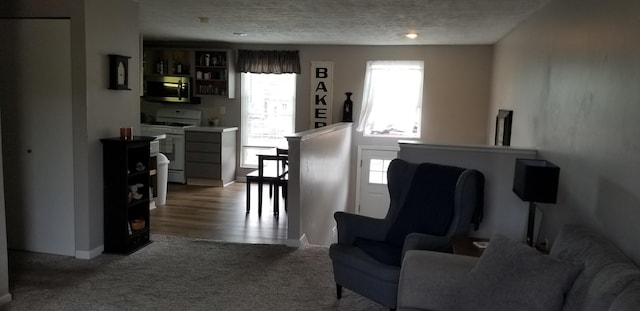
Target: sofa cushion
{"x":629,"y":298}
{"x":607,"y":271}
{"x":512,"y":276}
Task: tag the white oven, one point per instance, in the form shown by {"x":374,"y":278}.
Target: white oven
{"x":172,"y":123}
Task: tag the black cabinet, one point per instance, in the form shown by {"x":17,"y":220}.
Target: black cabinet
{"x":126,"y":194}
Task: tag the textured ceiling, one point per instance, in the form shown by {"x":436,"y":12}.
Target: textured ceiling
{"x":352,"y":22}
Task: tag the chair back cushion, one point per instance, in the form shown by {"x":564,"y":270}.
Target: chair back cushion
{"x":428,"y":207}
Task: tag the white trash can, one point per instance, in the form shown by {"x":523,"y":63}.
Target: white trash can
{"x":163,"y":176}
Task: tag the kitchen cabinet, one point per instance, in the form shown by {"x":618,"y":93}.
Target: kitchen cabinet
{"x":213,"y":76}
{"x":167,"y":61}
{"x":210,"y":155}
{"x":212,"y":71}
{"x":126,"y":179}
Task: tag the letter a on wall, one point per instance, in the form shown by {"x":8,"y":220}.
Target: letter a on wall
{"x":321,"y":93}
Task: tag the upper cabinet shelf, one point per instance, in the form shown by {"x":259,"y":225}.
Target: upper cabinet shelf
{"x":211,"y":70}
{"x":167,"y":61}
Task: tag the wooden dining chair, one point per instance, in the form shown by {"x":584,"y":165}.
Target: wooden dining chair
{"x":272,"y":170}
{"x":285,"y":177}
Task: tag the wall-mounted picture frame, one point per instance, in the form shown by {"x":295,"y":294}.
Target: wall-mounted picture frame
{"x":503,"y":127}
{"x":118,"y":72}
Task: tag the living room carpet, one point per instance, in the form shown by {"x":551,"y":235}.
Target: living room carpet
{"x":176,"y":273}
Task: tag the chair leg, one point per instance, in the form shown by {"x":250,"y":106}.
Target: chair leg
{"x":248,"y":196}
{"x":285,"y":194}
{"x":338,"y":290}
{"x":276,"y":201}
{"x":260,"y":198}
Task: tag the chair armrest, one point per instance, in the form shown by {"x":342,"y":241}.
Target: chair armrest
{"x":431,"y":280}
{"x":350,"y":226}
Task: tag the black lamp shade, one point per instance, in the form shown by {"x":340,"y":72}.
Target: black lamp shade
{"x":536,"y":180}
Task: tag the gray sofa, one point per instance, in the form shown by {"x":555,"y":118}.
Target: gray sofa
{"x":591,"y":274}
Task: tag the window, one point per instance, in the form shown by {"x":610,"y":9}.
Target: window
{"x":392,"y":99}
{"x":378,"y":171}
{"x":268,"y":110}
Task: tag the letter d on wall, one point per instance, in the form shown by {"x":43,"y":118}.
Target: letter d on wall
{"x":321,"y":93}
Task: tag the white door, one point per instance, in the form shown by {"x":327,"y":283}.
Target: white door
{"x":373,"y":197}
{"x":35,"y":90}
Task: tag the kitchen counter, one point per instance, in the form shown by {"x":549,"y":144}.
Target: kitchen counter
{"x":214,"y":129}
{"x":210,"y":155}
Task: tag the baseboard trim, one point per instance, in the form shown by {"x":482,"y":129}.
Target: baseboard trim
{"x":5,"y":299}
{"x":90,"y":254}
{"x":299,"y":242}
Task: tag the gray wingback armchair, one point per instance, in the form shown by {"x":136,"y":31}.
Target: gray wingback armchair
{"x":429,"y":204}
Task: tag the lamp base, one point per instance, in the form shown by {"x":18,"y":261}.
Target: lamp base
{"x":531,"y":222}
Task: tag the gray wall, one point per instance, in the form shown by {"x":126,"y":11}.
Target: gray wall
{"x":111,"y":28}
{"x":571,"y":75}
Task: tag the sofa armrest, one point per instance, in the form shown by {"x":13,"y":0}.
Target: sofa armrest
{"x":427,"y":242}
{"x":431,"y":280}
{"x":350,"y":226}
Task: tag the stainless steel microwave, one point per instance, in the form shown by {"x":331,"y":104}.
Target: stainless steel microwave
{"x":171,"y":89}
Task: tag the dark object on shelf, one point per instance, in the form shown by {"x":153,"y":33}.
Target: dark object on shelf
{"x":137,"y":224}
{"x":503,"y":127}
{"x":118,"y":72}
{"x":126,"y":193}
{"x":347,"y":110}
{"x":535,"y":181}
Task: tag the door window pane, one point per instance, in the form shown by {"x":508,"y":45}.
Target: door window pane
{"x":378,"y":171}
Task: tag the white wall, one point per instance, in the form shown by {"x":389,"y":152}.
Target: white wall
{"x":571,"y":75}
{"x":318,"y":182}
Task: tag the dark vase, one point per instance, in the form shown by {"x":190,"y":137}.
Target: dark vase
{"x":347,"y":110}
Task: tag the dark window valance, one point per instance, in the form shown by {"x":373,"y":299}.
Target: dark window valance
{"x":255,"y":61}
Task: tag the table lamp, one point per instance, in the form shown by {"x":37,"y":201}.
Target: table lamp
{"x":535,"y":181}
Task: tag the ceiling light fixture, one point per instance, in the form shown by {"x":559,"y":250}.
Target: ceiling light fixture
{"x":411,"y":35}
{"x":240,"y":34}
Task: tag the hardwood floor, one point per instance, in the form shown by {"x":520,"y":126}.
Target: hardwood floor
{"x":219,"y":213}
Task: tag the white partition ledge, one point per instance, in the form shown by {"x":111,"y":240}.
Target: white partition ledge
{"x":319,"y":171}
